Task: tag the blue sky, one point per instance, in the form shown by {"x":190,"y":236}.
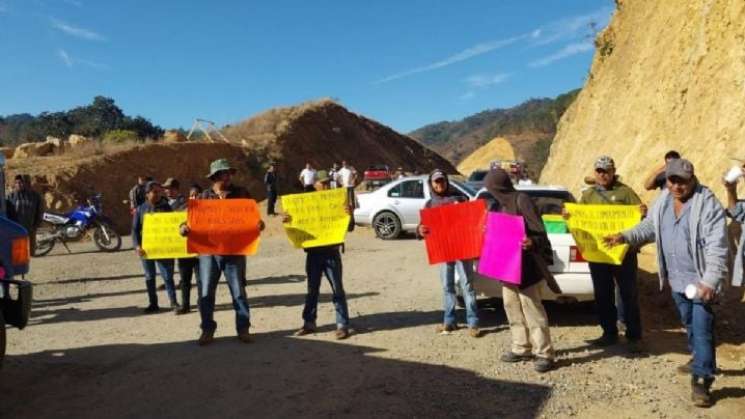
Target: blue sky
{"x":405,"y":63}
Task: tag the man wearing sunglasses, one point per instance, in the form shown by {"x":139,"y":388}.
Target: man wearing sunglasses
{"x":608,"y":190}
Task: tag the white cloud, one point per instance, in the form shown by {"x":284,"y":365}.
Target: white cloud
{"x":466,"y":54}
{"x":76,"y":32}
{"x":65,"y":57}
{"x":468,"y":95}
{"x":568,"y":51}
{"x":480,"y":81}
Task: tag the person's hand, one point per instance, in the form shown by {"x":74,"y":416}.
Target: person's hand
{"x":348,"y":210}
{"x":140,"y":251}
{"x":614,"y":240}
{"x":423,"y":230}
{"x":706,"y":293}
{"x":262,"y":226}
{"x":564,"y":213}
{"x":184,"y":230}
{"x":729,"y":186}
{"x":643,"y":209}
{"x":286,"y":218}
{"x":527,"y":243}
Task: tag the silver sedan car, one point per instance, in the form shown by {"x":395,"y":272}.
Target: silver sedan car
{"x":394,"y":208}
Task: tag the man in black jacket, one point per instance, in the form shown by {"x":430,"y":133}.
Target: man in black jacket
{"x":25,"y":207}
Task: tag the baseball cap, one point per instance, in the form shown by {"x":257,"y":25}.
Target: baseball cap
{"x":171,"y":183}
{"x":681,"y":168}
{"x":605,"y":163}
{"x":438,"y":174}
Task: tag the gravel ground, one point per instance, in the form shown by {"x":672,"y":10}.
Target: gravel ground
{"x":90,"y":353}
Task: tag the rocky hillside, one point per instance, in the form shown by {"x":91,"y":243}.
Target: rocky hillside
{"x":319,"y":132}
{"x":666,"y":75}
{"x":532,"y":121}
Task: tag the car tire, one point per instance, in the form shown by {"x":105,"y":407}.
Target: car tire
{"x":387,"y":226}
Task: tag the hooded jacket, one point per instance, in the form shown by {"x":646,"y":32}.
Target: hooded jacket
{"x":537,"y":259}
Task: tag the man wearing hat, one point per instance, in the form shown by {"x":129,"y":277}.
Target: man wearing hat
{"x":232,"y":266}
{"x":153,"y":203}
{"x":608,"y":190}
{"x":319,"y":261}
{"x":688,"y":225}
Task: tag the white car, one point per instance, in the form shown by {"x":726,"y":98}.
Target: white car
{"x":571,"y":271}
{"x":394,"y":208}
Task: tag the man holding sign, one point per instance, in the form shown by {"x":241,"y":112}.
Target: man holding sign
{"x":608,"y":190}
{"x":212,"y":266}
{"x":153,"y":204}
{"x":304,"y":222}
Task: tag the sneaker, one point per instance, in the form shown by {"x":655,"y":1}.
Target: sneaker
{"x":685,"y":368}
{"x":244,"y":336}
{"x":543,"y":364}
{"x":307,"y":329}
{"x":603,"y":341}
{"x":701,"y":394}
{"x":206,"y":337}
{"x":175,"y":307}
{"x":474,"y":332}
{"x":445,"y":329}
{"x":341,"y":333}
{"x":512,"y":357}
{"x":151,"y":309}
{"x":182,"y":310}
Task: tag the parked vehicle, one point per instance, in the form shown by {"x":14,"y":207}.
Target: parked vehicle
{"x":517,"y":170}
{"x":15,"y":293}
{"x":376,"y":176}
{"x":569,"y":268}
{"x":476,"y":179}
{"x":84,"y":220}
{"x":394,"y":208}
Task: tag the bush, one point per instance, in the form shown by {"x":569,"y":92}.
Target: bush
{"x":120,"y":136}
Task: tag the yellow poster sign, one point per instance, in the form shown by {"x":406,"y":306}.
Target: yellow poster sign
{"x":161,"y":238}
{"x":316,"y":218}
{"x":590,"y":223}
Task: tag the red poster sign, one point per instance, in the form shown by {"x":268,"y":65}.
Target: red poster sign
{"x":456,"y":231}
{"x":223,"y":226}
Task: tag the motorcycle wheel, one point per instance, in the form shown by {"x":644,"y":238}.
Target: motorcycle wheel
{"x":106,"y":239}
{"x":44,"y":243}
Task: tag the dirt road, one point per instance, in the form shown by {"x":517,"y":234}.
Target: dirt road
{"x":90,"y":353}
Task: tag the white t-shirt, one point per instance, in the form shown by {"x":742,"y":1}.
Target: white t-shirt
{"x":345,"y":175}
{"x":309,"y":177}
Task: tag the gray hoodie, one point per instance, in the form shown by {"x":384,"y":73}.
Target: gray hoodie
{"x":708,"y":236}
{"x":738,"y":269}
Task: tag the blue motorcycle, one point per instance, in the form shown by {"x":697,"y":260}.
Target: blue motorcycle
{"x":85,"y":220}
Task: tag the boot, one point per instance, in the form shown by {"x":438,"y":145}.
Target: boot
{"x":701,"y":391}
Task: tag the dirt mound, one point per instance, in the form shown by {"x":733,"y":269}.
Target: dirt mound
{"x":666,"y":75}
{"x":319,"y":132}
{"x":531,"y":148}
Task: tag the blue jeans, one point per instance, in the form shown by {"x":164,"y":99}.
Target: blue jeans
{"x":188,"y":267}
{"x":165,"y":267}
{"x":698,"y":318}
{"x":447,"y":276}
{"x":605,"y":277}
{"x":234,"y":268}
{"x":326,"y":262}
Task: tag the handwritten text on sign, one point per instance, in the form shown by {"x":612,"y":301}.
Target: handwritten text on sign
{"x":590,"y":223}
{"x":456,"y":231}
{"x":316,"y":218}
{"x":161,"y":238}
{"x":223,"y":226}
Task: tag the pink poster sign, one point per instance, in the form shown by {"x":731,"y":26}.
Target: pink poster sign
{"x":502,"y":255}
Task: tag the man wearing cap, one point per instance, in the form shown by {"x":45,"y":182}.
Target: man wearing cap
{"x":187,"y":267}
{"x":153,"y":203}
{"x":688,"y":225}
{"x":319,"y":261}
{"x":232,"y":266}
{"x":608,"y":190}
{"x":657,"y":179}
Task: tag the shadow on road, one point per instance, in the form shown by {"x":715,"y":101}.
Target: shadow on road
{"x":276,"y":376}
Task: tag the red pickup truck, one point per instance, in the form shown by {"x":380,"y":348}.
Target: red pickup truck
{"x":376,"y":176}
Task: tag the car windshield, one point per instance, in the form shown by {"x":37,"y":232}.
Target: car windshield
{"x":477,"y":176}
{"x":547,"y":201}
{"x":464,"y":187}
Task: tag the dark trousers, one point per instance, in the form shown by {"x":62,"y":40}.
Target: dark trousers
{"x":309,"y":188}
{"x":188,"y":268}
{"x":325,"y":263}
{"x":165,"y":266}
{"x":234,"y":268}
{"x":605,"y":278}
{"x":271,"y":201}
{"x":698,"y":319}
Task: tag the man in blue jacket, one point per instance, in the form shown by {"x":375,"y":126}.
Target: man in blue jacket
{"x":688,"y":224}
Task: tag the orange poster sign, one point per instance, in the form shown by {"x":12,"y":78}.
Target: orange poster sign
{"x":223,"y":226}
